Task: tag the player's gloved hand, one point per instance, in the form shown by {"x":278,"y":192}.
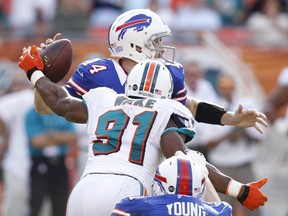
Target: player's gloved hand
{"x":30,"y":61}
{"x":253,"y":197}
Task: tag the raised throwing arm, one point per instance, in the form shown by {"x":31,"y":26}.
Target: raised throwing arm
{"x":55,"y":96}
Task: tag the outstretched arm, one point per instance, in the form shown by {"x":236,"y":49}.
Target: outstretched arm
{"x":55,"y":96}
{"x":245,"y":118}
{"x":248,"y":195}
{"x":214,"y":114}
{"x":59,"y":101}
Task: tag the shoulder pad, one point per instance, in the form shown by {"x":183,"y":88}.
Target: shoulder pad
{"x":174,"y":64}
{"x":180,"y":109}
{"x":180,"y":120}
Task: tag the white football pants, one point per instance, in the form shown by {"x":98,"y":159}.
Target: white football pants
{"x":97,"y":194}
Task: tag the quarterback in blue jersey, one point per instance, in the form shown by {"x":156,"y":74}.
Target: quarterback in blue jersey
{"x":109,"y":73}
{"x":178,"y":188}
{"x":134,"y":36}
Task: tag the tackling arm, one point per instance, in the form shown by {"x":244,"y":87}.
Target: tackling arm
{"x":172,"y":141}
{"x":60,"y":102}
{"x":213,"y":114}
{"x":248,"y":195}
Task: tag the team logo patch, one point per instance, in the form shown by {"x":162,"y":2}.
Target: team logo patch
{"x":137,"y":23}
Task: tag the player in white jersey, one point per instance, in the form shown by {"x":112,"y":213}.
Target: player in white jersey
{"x":108,"y":125}
{"x":139,"y":123}
{"x":137,"y":35}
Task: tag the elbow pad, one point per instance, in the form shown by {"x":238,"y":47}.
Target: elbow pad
{"x":209,"y":113}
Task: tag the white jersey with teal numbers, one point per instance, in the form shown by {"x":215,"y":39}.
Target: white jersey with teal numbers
{"x":124,"y":133}
{"x":108,"y":73}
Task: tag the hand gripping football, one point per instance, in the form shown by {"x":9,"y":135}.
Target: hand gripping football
{"x":57,"y":59}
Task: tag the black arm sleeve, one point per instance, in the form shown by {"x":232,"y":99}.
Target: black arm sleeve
{"x":209,"y":113}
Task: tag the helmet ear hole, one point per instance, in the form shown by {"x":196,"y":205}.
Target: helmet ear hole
{"x":138,"y":49}
{"x":171,"y":189}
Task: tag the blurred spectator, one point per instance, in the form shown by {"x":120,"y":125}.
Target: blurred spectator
{"x":130,"y":5}
{"x":6,"y":77}
{"x":36,"y":20}
{"x":192,"y":17}
{"x":199,"y":88}
{"x":14,"y":148}
{"x":268,"y":23}
{"x":72,"y":17}
{"x":45,"y":15}
{"x":22,"y":24}
{"x":49,"y":137}
{"x":231,"y":11}
{"x":233,"y":150}
{"x":104,"y":12}
{"x":4,"y":7}
{"x":278,"y":98}
{"x":163,"y":9}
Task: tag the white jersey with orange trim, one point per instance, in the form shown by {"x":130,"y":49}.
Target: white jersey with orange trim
{"x":125,"y":133}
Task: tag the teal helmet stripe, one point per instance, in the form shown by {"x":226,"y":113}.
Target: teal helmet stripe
{"x":155,"y":78}
{"x":144,"y":76}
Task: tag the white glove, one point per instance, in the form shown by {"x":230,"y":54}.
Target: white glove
{"x":199,"y":158}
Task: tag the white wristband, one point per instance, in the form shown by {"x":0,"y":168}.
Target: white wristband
{"x":36,"y":76}
{"x":233,"y":188}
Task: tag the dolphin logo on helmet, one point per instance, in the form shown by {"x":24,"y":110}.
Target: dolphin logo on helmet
{"x":138,"y":22}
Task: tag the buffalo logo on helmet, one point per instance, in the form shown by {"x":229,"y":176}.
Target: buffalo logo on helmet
{"x":137,"y":23}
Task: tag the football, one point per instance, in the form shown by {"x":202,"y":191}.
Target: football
{"x":57,"y":59}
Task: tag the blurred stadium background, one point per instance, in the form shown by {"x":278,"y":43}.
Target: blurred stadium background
{"x":229,"y":48}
